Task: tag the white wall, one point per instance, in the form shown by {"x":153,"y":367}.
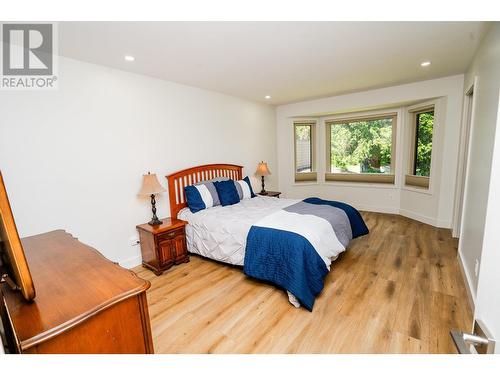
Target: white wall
{"x":73,"y":158}
{"x":435,"y":206}
{"x":478,"y":191}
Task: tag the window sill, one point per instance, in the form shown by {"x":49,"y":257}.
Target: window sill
{"x":361,"y":185}
{"x":368,"y":178}
{"x":306,"y":177}
{"x":419,"y":182}
{"x":305,"y":183}
{"x":417,"y":190}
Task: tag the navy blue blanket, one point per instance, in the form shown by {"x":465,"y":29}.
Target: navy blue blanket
{"x":289,"y":260}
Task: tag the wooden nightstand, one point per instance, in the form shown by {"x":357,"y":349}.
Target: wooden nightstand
{"x":163,"y":245}
{"x":275,"y":194}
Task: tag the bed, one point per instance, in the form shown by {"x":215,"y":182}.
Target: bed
{"x":288,"y":242}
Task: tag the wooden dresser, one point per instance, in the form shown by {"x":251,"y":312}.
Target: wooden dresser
{"x":84,"y":302}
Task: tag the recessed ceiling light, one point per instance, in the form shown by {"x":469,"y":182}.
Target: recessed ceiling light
{"x":425,"y":63}
{"x":129,"y":58}
{"x":267,"y":97}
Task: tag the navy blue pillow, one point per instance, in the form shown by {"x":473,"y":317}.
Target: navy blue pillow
{"x":227,"y":192}
{"x":247,"y":180}
{"x":194,"y":200}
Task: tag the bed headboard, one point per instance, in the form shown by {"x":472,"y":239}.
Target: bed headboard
{"x":178,"y":180}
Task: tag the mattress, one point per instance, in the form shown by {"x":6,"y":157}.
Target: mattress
{"x":220,"y":233}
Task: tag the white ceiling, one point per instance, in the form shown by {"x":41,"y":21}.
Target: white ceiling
{"x":291,"y":61}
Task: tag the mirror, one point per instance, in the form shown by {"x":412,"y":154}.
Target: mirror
{"x":14,"y":268}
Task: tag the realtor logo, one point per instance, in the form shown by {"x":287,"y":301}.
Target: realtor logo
{"x":28,"y":56}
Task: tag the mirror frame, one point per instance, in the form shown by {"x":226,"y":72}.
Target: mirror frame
{"x":14,"y":252}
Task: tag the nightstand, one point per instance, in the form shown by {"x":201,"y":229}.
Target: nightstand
{"x":163,"y":245}
{"x":275,"y":194}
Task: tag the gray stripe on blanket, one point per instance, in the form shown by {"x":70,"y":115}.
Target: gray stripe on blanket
{"x":335,"y":216}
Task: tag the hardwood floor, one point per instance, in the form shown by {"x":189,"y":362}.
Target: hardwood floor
{"x":397,"y":290}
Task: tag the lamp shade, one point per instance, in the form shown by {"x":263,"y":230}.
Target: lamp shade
{"x":150,"y":185}
{"x":262,"y":169}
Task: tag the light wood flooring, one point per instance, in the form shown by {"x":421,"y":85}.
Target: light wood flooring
{"x":397,"y":290}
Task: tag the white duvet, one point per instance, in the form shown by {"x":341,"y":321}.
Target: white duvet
{"x":220,"y":233}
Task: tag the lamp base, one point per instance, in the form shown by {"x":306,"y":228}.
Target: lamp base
{"x":155,"y":222}
{"x":263,"y":192}
{"x":154,"y":219}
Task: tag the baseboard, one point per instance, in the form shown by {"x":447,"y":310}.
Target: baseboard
{"x":425,"y":219}
{"x":443,"y":224}
{"x":407,"y":213}
{"x":467,"y":280}
{"x":382,"y":210}
{"x":131,"y":262}
{"x":416,"y":216}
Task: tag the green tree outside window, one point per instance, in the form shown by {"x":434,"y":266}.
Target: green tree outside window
{"x":361,"y":146}
{"x":423,"y":143}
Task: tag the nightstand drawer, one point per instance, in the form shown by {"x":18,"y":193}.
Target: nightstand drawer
{"x":171,"y":234}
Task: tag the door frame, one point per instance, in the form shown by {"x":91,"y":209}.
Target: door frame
{"x":463,"y":158}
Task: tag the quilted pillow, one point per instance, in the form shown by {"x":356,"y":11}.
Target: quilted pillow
{"x":201,"y":196}
{"x":227,"y":192}
{"x":244,"y":188}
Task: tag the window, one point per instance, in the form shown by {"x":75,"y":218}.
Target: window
{"x":304,"y":133}
{"x":360,"y":149}
{"x":423,"y":143}
{"x":422,"y":127}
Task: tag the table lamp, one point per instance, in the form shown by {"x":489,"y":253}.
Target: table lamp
{"x":151,"y":187}
{"x":262,"y":170}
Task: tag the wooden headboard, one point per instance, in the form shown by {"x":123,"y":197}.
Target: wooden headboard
{"x":178,"y":180}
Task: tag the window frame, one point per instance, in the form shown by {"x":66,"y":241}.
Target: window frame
{"x":411,"y":179}
{"x":311,"y":176}
{"x":389,"y":178}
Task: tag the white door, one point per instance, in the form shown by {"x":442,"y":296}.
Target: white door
{"x":488,"y":289}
